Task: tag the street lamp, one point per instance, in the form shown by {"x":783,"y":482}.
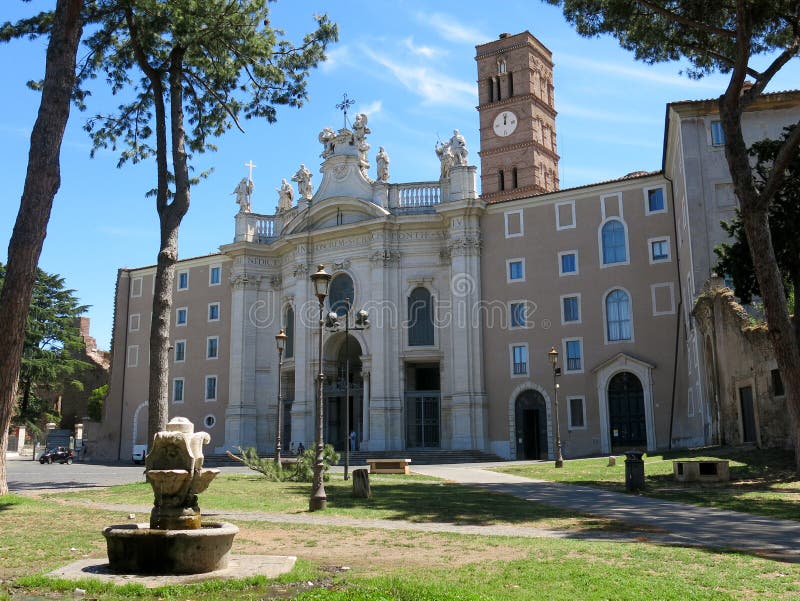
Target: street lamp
{"x":552,"y":356}
{"x":280,"y":342}
{"x":362,"y":323}
{"x":319,"y":500}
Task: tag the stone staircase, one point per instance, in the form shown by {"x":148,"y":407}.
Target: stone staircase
{"x":359,"y":458}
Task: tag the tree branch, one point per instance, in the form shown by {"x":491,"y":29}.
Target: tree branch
{"x":685,"y":20}
{"x":216,"y":96}
{"x":785,"y":156}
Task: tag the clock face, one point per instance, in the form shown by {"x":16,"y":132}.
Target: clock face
{"x":505,"y":123}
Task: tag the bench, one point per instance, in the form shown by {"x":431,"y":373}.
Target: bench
{"x":701,"y":471}
{"x":389,"y":466}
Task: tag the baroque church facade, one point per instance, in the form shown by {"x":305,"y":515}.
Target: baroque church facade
{"x":467,"y":290}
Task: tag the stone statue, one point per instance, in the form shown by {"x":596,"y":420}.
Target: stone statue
{"x":244,"y":192}
{"x":326,"y":137}
{"x":458,"y":146}
{"x":446,"y":158}
{"x":303,"y":179}
{"x":285,"y":196}
{"x":360,"y":128}
{"x":383,"y":165}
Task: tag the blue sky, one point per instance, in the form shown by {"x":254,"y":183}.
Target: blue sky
{"x":408,"y":64}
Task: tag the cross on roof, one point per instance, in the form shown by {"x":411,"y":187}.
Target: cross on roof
{"x":251,"y":166}
{"x":345,"y":104}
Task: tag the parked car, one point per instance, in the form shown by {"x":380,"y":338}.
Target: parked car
{"x":139,"y":452}
{"x":57,"y":454}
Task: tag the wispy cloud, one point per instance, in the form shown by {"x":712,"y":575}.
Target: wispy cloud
{"x":450,"y":29}
{"x":434,"y":87}
{"x":337,"y":57}
{"x":373,"y":108}
{"x":587,"y":112}
{"x":640,"y":74}
{"x":420,"y":50}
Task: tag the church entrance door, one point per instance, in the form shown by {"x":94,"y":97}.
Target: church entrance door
{"x":531,"y":418}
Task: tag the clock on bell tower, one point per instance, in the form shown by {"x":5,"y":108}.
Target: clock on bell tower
{"x":517,"y":118}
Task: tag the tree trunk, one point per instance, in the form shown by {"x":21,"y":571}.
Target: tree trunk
{"x":795,"y":277}
{"x":42,"y":181}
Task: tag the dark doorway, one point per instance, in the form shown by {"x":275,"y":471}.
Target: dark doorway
{"x":423,"y":398}
{"x":531,"y":418}
{"x":748,"y":414}
{"x":626,"y":411}
{"x":344,"y":416}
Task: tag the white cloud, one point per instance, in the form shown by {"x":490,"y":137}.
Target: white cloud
{"x":587,"y":112}
{"x":648,"y":74}
{"x":433,"y":86}
{"x":425,"y":51}
{"x":336,"y":57}
{"x":373,"y":108}
{"x":450,"y":29}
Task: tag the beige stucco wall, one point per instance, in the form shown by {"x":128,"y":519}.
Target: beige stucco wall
{"x":653,"y":335}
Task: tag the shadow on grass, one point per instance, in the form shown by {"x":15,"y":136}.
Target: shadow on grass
{"x":442,"y":502}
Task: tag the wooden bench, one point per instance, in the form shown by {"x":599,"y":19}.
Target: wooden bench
{"x":389,"y":466}
{"x":701,"y":471}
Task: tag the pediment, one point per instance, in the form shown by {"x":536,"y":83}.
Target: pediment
{"x":623,"y":359}
{"x":336,"y":211}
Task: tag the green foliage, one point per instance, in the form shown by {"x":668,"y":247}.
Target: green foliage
{"x":52,"y":338}
{"x":301,"y":471}
{"x":96,"y":401}
{"x":734,"y":258}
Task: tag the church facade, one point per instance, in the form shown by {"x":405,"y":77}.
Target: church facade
{"x":467,"y":291}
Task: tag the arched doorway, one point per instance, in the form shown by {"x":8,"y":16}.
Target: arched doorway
{"x":338,"y":424}
{"x":627,"y":422}
{"x":530,"y":412}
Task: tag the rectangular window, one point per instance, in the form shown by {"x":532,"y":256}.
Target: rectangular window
{"x":181,"y":316}
{"x":519,"y":315}
{"x":568,"y":262}
{"x":177,"y":390}
{"x":214,"y":275}
{"x":519,"y":360}
{"x":515,"y":270}
{"x":514,"y":224}
{"x":133,"y":356}
{"x":213,"y":312}
{"x":212,"y":347}
{"x":777,"y":383}
{"x":574,"y":354}
{"x":211,"y":388}
{"x":133,"y":322}
{"x":180,"y":351}
{"x":654,"y":198}
{"x":183,"y":280}
{"x":717,"y":135}
{"x":659,"y":250}
{"x":136,"y":287}
{"x":662,"y":296}
{"x":577,"y":412}
{"x":565,"y":215}
{"x":571,"y":309}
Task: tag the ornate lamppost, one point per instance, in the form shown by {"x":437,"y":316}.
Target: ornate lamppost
{"x":362,"y":323}
{"x":280,"y":342}
{"x":552,"y":356}
{"x":319,"y":500}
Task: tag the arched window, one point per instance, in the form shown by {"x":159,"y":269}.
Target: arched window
{"x":420,"y":318}
{"x":613,"y":240}
{"x":289,"y":329}
{"x":618,"y":315}
{"x":340,"y":290}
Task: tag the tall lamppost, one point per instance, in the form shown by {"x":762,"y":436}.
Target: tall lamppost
{"x":362,"y":323}
{"x":319,"y":500}
{"x":280,"y":342}
{"x":552,"y":356}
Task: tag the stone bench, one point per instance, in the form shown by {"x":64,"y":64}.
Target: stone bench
{"x":701,"y":471}
{"x":389,"y":466}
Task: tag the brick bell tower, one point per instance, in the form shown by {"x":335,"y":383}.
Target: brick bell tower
{"x":517,"y":118}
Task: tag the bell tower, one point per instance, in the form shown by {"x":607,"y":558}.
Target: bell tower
{"x":517,"y":118}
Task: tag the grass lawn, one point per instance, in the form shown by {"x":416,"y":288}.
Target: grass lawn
{"x":394,"y":497}
{"x":763,"y":482}
{"x":38,"y":535}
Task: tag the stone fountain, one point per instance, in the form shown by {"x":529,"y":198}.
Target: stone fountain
{"x":175,"y":541}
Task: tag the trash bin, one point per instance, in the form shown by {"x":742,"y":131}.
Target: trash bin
{"x":634,"y":470}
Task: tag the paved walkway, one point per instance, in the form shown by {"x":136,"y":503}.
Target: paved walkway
{"x":692,"y":525}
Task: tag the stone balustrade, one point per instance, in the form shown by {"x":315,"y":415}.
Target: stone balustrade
{"x":415,"y":195}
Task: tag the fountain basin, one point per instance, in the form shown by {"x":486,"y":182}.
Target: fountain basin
{"x":139,"y":549}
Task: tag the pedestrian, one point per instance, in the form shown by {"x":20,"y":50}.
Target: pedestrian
{"x":300,"y":449}
{"x":353,"y":441}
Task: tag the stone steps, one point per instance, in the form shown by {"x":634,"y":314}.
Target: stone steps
{"x":418,"y":457}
